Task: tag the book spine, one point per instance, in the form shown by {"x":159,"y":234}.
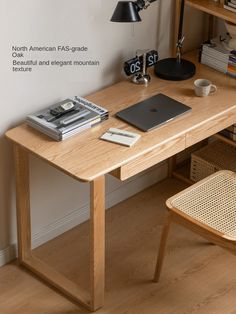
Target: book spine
{"x":232,"y":4}
{"x":231,"y":74}
{"x":221,"y":53}
{"x":216,"y":49}
{"x":58,"y":131}
{"x":216,"y":58}
{"x":228,"y":134}
{"x":76,"y":125}
{"x":49,"y":125}
{"x":232,"y":59}
{"x":214,"y":67}
{"x":43,"y":130}
{"x":231,"y":70}
{"x":220,"y":66}
{"x":232,"y":67}
{"x":59,"y":136}
{"x":91,"y":106}
{"x":229,"y":8}
{"x":75,"y":131}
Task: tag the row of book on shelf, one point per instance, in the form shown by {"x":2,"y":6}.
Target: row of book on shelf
{"x":216,"y":55}
{"x":230,"y":5}
{"x":230,"y":132}
{"x":66,"y":118}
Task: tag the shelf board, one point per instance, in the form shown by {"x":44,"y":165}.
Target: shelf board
{"x":213,"y":8}
{"x":182,"y":172}
{"x":225,"y":139}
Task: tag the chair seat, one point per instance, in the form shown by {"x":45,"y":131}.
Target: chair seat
{"x":212,"y":202}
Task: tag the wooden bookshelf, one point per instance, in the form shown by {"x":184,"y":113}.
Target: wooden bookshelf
{"x":225,"y":139}
{"x":213,"y":8}
{"x":182,"y":170}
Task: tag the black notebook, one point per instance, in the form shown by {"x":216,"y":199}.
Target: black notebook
{"x":153,"y":112}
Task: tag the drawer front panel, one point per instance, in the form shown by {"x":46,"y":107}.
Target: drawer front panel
{"x":151,"y":158}
{"x":210,"y":127}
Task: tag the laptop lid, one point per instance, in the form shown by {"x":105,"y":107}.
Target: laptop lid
{"x":153,"y":112}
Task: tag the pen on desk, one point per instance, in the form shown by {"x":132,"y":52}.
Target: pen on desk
{"x":120,"y":133}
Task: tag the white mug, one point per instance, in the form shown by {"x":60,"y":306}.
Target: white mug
{"x":204,"y":87}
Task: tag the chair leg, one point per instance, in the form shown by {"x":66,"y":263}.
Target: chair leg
{"x":162,"y":247}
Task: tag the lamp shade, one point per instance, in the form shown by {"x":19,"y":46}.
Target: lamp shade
{"x":126,"y":11}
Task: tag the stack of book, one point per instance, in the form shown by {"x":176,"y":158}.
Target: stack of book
{"x":216,"y":55}
{"x":69,"y":117}
{"x":230,"y":5}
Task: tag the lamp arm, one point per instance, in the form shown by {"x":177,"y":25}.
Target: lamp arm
{"x":181,"y":38}
{"x":143,"y":4}
{"x":181,"y":20}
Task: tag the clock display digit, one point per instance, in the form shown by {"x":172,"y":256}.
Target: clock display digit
{"x":152,"y":58}
{"x":135,"y":67}
{"x":132,"y":66}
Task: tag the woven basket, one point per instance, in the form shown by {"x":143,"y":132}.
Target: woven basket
{"x":211,"y":158}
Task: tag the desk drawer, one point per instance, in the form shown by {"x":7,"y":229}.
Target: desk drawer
{"x":151,"y":158}
{"x":210,"y":127}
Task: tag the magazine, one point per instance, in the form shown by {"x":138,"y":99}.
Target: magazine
{"x":67,"y":118}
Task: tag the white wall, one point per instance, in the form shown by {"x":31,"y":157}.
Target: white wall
{"x":65,"y":22}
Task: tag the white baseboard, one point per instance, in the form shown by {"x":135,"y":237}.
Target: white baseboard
{"x":7,"y":254}
{"x":78,"y":216}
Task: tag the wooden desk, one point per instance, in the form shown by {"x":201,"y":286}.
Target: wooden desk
{"x":86,"y":158}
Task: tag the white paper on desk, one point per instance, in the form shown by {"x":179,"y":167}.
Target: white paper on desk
{"x":128,"y":139}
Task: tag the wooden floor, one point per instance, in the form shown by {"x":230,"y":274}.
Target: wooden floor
{"x":197,"y":277}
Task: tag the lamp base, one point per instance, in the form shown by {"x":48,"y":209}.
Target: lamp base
{"x":172,"y":70}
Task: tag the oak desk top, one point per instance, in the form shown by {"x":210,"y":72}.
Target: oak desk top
{"x":86,"y":157}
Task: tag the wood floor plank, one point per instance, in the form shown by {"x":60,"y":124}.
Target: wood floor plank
{"x":197,"y":277}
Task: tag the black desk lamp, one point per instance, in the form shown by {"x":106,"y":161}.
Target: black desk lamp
{"x":173,"y":69}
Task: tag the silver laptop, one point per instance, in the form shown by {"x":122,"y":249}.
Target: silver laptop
{"x":153,"y":112}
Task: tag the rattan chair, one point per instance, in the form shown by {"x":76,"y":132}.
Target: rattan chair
{"x":207,"y":208}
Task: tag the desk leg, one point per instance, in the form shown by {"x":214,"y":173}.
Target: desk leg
{"x":97,"y":232}
{"x":171,"y":165}
{"x":22,"y":203}
{"x":97,"y":242}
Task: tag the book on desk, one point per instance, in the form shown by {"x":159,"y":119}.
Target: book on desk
{"x":79,"y":114}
